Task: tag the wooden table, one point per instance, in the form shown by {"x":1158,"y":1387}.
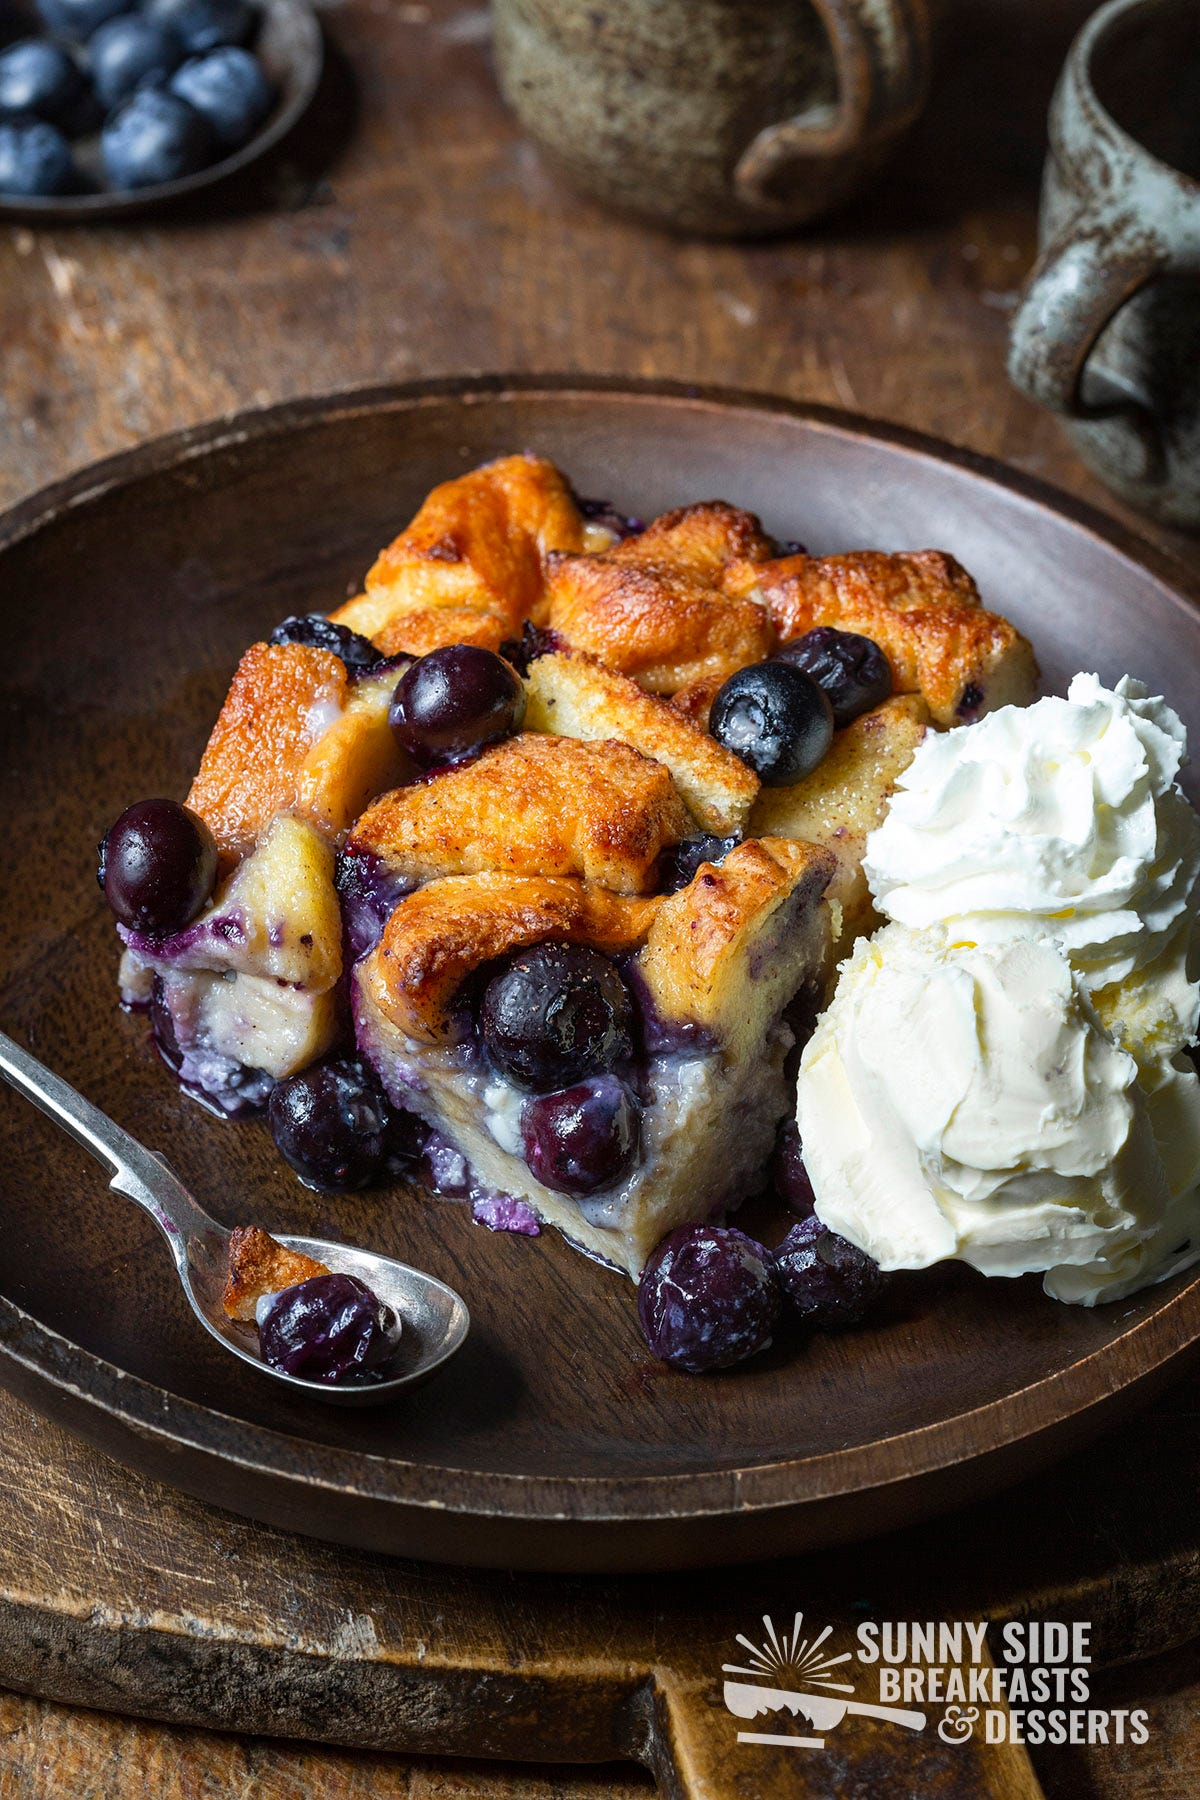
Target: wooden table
{"x":410,"y":231}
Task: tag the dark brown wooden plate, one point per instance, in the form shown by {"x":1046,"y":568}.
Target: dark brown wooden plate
{"x":554,"y":1441}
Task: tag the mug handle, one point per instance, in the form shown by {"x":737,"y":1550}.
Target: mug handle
{"x":881,"y":52}
{"x":1079,"y":282}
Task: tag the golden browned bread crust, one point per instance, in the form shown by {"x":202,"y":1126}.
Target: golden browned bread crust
{"x":477,"y":544}
{"x":533,"y":805}
{"x":845,"y":799}
{"x":730,"y":950}
{"x":922,"y":609}
{"x":577,"y":697}
{"x":653,"y":621}
{"x":432,"y":628}
{"x":278,"y":703}
{"x":695,"y":700}
{"x":257,"y":1266}
{"x":701,"y":540}
{"x":439,"y":935}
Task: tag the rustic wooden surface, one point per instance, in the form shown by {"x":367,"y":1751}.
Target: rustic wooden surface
{"x":411,"y":232}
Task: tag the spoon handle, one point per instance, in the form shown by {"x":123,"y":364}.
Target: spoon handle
{"x":138,"y":1173}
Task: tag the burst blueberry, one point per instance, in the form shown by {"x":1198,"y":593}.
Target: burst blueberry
{"x":852,"y":670}
{"x":827,"y":1282}
{"x":329,"y":1328}
{"x":332,"y":1124}
{"x":319,"y":633}
{"x":555,"y":1013}
{"x":776,"y":718}
{"x":228,"y":88}
{"x":708,"y":1297}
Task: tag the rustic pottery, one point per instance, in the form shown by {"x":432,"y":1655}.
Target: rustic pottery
{"x":1108,"y":333}
{"x":723,"y":117}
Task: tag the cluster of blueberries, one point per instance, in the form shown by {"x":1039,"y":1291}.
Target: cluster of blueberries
{"x":170,"y":86}
{"x":557,"y":1021}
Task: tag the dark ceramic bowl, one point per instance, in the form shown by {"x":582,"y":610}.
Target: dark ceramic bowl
{"x":290,"y":47}
{"x":554,"y":1440}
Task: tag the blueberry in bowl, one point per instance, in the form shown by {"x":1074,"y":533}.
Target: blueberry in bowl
{"x":35,"y":160}
{"x":40,"y":78}
{"x":128,"y":51}
{"x":155,"y":137}
{"x":78,"y":19}
{"x":226,"y":87}
{"x":775,"y":717}
{"x":202,"y":25}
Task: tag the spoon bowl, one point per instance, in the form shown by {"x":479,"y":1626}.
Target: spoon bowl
{"x":434,"y":1320}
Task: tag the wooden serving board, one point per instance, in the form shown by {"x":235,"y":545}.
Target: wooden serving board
{"x":123,"y":1595}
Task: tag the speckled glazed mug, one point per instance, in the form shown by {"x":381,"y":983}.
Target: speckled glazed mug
{"x":725,"y":118}
{"x":1108,"y":331}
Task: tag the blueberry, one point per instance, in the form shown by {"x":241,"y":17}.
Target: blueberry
{"x":39,"y":78}
{"x":320,"y":633}
{"x":35,"y":159}
{"x":708,"y":1297}
{"x":152,"y":138}
{"x":328,"y":1328}
{"x":205,"y":24}
{"x":228,"y":88}
{"x":853,"y":670}
{"x":789,"y":1173}
{"x":775,"y":718}
{"x":454,"y":701}
{"x":158,"y":866}
{"x":826,"y":1281}
{"x":681,"y":864}
{"x":127,"y":51}
{"x":554,"y":1014}
{"x":332,"y":1124}
{"x":582,"y":1139}
{"x":79,"y":18}
{"x":534,"y":641}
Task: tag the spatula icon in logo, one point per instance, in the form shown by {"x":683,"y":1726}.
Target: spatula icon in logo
{"x":800,"y":1660}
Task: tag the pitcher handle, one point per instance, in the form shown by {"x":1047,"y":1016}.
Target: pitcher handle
{"x":881,"y":52}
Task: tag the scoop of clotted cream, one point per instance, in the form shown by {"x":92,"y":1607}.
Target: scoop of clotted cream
{"x":963,"y":1099}
{"x":1065,"y":817}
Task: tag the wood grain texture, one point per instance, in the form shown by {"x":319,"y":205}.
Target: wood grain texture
{"x":425,"y":237}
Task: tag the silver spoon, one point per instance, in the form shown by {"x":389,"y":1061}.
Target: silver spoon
{"x":433,"y":1319}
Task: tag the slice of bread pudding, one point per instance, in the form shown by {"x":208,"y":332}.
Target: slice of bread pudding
{"x":579,"y":949}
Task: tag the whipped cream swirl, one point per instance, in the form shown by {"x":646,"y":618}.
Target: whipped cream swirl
{"x":963,"y":1099}
{"x":1064,"y":817}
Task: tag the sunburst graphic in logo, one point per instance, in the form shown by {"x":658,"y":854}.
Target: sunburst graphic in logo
{"x":790,"y":1658}
{"x":784,"y":1671}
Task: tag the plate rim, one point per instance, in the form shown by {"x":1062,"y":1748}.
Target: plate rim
{"x":36,"y":1359}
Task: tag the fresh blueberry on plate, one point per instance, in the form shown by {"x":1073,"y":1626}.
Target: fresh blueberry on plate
{"x":228,"y":88}
{"x":555,"y":1013}
{"x":158,"y":864}
{"x":708,"y":1297}
{"x":205,"y":24}
{"x":127,"y":51}
{"x":39,"y":78}
{"x":329,"y":1328}
{"x":78,"y":19}
{"x":313,"y":629}
{"x":35,"y":160}
{"x":827,"y":1282}
{"x":152,"y":138}
{"x":853,"y":670}
{"x":776,"y":718}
